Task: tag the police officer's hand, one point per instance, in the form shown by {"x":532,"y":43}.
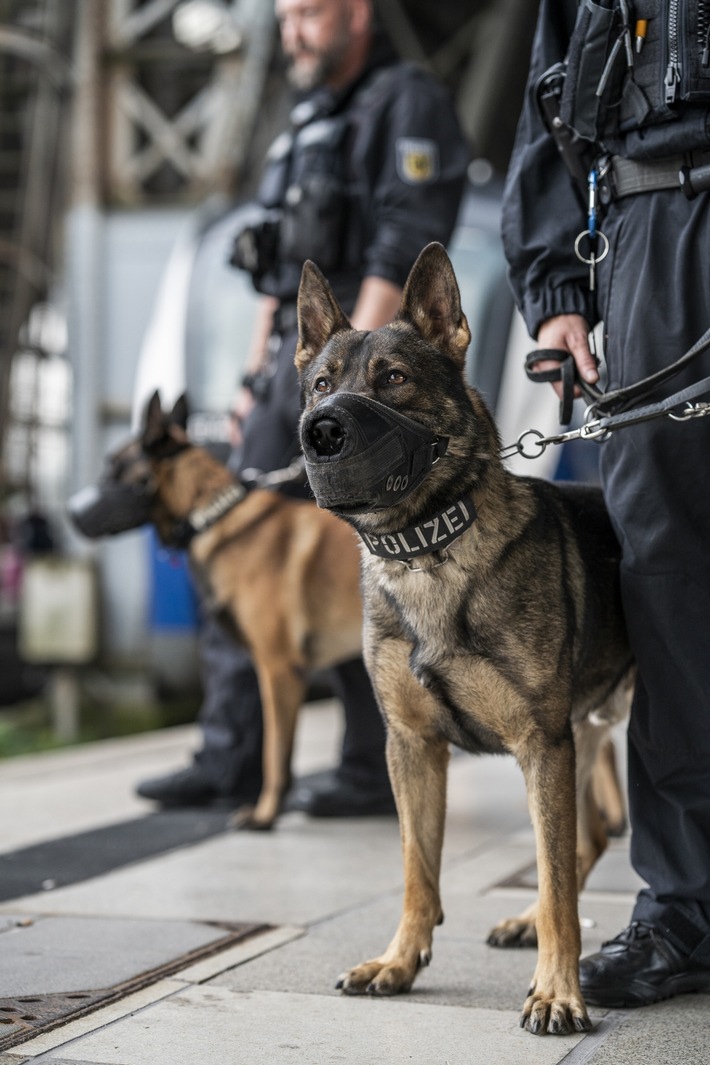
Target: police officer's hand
{"x":242,"y":405}
{"x":568,"y":332}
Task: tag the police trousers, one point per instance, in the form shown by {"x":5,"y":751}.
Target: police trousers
{"x":654,"y":293}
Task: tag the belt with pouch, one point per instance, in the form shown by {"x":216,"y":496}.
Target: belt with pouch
{"x":689,"y":172}
{"x":286,"y":317}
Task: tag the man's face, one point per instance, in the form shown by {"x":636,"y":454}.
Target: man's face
{"x":315,"y":36}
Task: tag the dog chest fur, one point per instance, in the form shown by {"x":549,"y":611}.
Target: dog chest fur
{"x":460,"y":646}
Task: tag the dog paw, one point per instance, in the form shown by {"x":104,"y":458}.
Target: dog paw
{"x":615,"y":828}
{"x":554,"y":1016}
{"x":513,"y":932}
{"x":378,"y":978}
{"x":247,"y":819}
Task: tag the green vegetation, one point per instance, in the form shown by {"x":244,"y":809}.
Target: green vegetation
{"x":29,"y":726}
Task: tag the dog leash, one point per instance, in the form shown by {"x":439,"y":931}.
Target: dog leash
{"x":609,"y":411}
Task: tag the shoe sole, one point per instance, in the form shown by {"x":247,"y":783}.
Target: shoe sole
{"x":683,"y":984}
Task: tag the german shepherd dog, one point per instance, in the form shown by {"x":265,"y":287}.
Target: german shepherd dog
{"x":282,"y":574}
{"x":492,"y":611}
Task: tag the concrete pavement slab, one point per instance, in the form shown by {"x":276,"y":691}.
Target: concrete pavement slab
{"x":129,"y":1001}
{"x":56,"y":793}
{"x":61,"y":954}
{"x":464,"y":970}
{"x":55,"y":969}
{"x":230,"y":877}
{"x":270,"y":877}
{"x":210,"y":1023}
{"x":342,"y":882}
{"x":669,"y":1033}
{"x":300,"y":874}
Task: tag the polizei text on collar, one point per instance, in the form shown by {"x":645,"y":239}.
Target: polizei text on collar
{"x":433,"y":535}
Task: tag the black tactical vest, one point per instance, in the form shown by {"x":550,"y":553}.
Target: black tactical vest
{"x":311,"y":210}
{"x":636,"y":65}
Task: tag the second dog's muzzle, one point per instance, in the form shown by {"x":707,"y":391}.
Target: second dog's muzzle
{"x":106,"y":510}
{"x":362,"y":455}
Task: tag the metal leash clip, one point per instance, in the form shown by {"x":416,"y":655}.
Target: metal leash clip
{"x":593,"y":429}
{"x":692,"y":410}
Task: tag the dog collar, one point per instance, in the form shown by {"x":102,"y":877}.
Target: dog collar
{"x":202,"y":518}
{"x":434,"y":535}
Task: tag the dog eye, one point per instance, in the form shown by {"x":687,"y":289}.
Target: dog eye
{"x":396,"y":377}
{"x":322,"y":385}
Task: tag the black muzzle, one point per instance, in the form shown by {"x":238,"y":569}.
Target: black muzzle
{"x":361,"y":455}
{"x":109,"y":509}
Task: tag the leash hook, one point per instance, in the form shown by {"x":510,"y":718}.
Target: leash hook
{"x":691,"y":410}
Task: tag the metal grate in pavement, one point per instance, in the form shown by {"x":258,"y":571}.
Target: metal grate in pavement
{"x":25,"y":1016}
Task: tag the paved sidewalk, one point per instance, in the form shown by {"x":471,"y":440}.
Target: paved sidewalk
{"x":175,"y":942}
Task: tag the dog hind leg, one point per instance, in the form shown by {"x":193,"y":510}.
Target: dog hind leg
{"x":608,"y":792}
{"x":282,"y":691}
{"x":591,"y":739}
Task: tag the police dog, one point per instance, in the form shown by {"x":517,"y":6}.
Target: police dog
{"x":282,"y":574}
{"x":492,"y":611}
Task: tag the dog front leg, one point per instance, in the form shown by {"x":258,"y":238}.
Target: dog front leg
{"x":554,"y":1004}
{"x":417,"y":767}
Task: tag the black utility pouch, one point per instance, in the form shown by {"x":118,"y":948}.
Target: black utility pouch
{"x":671,"y":67}
{"x":316,"y":200}
{"x":256,"y":244}
{"x":255,"y":247}
{"x":643,"y":99}
{"x":313,"y":221}
{"x":594,"y":69}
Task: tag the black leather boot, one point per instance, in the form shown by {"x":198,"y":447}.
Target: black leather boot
{"x":638,"y":967}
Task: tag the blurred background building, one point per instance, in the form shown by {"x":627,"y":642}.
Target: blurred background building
{"x":129,"y":130}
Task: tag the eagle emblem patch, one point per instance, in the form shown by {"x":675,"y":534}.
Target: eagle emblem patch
{"x":417,"y":160}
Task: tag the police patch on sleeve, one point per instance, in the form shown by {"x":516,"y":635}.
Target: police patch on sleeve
{"x":417,"y":160}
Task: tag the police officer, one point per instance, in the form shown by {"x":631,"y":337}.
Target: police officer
{"x":633,"y":93}
{"x":370,"y":170}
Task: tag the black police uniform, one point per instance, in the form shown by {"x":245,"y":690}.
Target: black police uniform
{"x":651,"y":292}
{"x":361,"y":181}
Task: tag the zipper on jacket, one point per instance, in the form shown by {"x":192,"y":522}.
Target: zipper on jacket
{"x":672,"y":78}
{"x":704,"y":31}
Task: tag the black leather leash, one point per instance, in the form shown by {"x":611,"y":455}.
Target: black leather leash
{"x":612,"y":410}
{"x":606,"y":402}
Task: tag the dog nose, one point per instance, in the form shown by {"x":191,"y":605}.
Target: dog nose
{"x":326,"y":436}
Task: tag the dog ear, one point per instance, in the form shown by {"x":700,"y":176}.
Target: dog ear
{"x":431,"y":301}
{"x":153,"y":421}
{"x":319,"y":315}
{"x":178,"y":415}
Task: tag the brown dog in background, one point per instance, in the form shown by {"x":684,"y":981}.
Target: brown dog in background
{"x":492,"y":612}
{"x":282,"y":574}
